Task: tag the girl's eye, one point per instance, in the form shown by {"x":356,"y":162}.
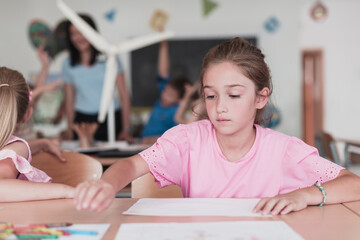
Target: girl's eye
{"x":210,"y":96}
{"x":234,"y":96}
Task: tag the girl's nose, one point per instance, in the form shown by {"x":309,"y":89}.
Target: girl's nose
{"x":221,"y":105}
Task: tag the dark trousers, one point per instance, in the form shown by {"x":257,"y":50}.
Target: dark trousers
{"x":101,"y":133}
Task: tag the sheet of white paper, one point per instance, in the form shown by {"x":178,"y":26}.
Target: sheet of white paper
{"x":244,"y":230}
{"x":99,"y":228}
{"x":193,"y":207}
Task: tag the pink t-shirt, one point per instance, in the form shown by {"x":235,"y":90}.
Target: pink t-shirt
{"x":27,"y":172}
{"x":190,"y":156}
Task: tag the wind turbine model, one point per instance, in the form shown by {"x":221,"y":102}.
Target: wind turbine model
{"x":111,"y":51}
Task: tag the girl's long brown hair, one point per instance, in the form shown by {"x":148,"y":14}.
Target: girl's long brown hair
{"x":250,"y":61}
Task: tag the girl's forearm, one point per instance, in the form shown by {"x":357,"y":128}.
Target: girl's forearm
{"x":119,"y":174}
{"x":14,"y":190}
{"x":125,"y":171}
{"x":181,"y":111}
{"x":126,"y":117}
{"x":344,"y":188}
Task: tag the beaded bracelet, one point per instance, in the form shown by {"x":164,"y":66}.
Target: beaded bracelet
{"x":318,"y":185}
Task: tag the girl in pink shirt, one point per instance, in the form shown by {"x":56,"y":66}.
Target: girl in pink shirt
{"x":15,"y":154}
{"x":229,"y":154}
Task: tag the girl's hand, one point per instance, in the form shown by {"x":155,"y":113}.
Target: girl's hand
{"x":125,"y":135}
{"x":85,"y":132}
{"x":46,"y":145}
{"x":281,"y":204}
{"x":94,"y":195}
{"x":85,"y":129}
{"x":53,"y":148}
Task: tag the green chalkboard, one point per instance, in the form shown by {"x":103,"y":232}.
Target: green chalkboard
{"x":185,"y":60}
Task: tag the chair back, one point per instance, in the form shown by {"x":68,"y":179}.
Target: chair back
{"x":146,"y":187}
{"x":77,"y":168}
{"x":326,"y":145}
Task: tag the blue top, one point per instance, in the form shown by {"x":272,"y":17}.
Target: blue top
{"x":88,"y":84}
{"x":161,"y":118}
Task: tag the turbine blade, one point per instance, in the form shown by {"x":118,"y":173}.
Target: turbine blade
{"x":90,"y":34}
{"x":143,"y":41}
{"x":108,"y":87}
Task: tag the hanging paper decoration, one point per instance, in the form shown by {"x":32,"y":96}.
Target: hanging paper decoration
{"x":318,"y":12}
{"x":208,"y":7}
{"x":272,"y":24}
{"x":158,"y":20}
{"x":110,"y":15}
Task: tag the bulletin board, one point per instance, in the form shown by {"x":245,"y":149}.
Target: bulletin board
{"x":185,"y":60}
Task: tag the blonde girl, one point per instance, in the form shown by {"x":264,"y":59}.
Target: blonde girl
{"x":19,"y":181}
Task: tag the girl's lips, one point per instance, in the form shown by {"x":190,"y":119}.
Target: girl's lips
{"x":222,"y":120}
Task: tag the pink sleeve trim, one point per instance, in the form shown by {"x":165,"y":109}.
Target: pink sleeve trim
{"x":27,"y":172}
{"x":149,"y":155}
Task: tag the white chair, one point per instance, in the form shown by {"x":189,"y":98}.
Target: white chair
{"x":326,"y":145}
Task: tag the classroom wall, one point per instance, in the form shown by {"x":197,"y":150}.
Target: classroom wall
{"x":231,"y":18}
{"x":339,"y":38}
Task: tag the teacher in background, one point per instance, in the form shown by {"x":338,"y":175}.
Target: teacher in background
{"x":84,"y":73}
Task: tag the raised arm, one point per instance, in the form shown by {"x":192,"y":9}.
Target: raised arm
{"x":41,"y":78}
{"x":45,"y":63}
{"x":185,"y":103}
{"x":164,"y":60}
{"x":180,"y":115}
{"x":97,"y":195}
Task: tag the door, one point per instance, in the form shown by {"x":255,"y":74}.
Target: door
{"x":312,"y":94}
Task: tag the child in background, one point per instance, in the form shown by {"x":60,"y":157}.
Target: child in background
{"x":230,"y":155}
{"x":15,"y":154}
{"x":26,"y":130}
{"x":172,"y":90}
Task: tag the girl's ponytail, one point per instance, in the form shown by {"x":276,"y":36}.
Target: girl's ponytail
{"x":14,"y":102}
{"x":8,"y":114}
